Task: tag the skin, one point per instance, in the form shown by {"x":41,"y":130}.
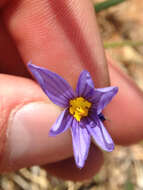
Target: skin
{"x":63,"y":37}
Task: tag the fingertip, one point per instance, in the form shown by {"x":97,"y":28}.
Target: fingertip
{"x":125,"y":110}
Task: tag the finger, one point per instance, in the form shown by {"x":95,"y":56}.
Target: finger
{"x":10,"y":61}
{"x":71,"y":172}
{"x":60,"y":35}
{"x":3,"y":2}
{"x":26,"y":117}
{"x":125,"y":111}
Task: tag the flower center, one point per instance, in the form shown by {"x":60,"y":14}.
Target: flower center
{"x":79,"y":108}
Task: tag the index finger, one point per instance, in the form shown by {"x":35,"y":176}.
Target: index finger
{"x":60,"y":35}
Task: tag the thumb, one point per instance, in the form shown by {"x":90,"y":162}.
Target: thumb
{"x":24,"y":126}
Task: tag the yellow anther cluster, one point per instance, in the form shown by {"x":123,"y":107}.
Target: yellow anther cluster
{"x":79,"y":108}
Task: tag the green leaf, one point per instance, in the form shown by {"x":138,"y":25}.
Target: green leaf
{"x":108,"y":45}
{"x":129,"y":186}
{"x":106,"y":4}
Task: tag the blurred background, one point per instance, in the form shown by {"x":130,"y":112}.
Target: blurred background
{"x":121,"y":28}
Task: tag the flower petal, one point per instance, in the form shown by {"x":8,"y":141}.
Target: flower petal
{"x":85,"y":84}
{"x":100,"y":135}
{"x":63,"y":122}
{"x":102,"y":96}
{"x":81,"y":143}
{"x":55,"y":87}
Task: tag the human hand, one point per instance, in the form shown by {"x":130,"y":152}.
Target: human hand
{"x":62,"y":36}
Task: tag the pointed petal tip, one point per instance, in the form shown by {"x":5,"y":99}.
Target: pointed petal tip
{"x":80,"y":165}
{"x":81,"y":144}
{"x":106,"y":148}
{"x":84,"y":72}
{"x":29,"y":62}
{"x":85,"y":83}
{"x":110,"y":147}
{"x":51,"y":133}
{"x":101,"y":137}
{"x":31,"y":66}
{"x":116,"y":89}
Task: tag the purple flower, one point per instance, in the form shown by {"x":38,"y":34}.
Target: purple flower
{"x":82,"y":110}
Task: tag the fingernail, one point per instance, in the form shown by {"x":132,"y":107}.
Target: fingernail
{"x":28,"y":141}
